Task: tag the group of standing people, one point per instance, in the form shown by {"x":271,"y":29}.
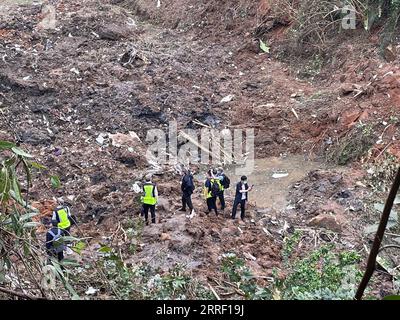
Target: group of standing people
{"x":214,"y":188}
{"x":215,"y":185}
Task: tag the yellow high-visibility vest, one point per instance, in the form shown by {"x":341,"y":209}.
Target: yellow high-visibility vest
{"x":63,"y":219}
{"x":149,"y":194}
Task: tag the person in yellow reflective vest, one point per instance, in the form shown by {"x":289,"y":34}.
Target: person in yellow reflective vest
{"x":62,"y":219}
{"x":211,"y":190}
{"x":149,"y":200}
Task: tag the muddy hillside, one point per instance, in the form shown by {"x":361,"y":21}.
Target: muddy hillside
{"x":82,"y":83}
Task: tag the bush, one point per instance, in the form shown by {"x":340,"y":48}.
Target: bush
{"x":323,"y":275}
{"x":314,"y":22}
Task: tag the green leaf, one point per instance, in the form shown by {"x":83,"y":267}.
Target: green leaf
{"x":392,"y":297}
{"x":37,"y":165}
{"x":105,"y":249}
{"x":15,"y":187}
{"x":30,"y":224}
{"x":55,"y":182}
{"x":264,"y":47}
{"x":6,"y":145}
{"x":79,"y":247}
{"x":28,"y":216}
{"x":21,"y":152}
{"x":27,"y":171}
{"x":68,"y":262}
{"x":69,"y":239}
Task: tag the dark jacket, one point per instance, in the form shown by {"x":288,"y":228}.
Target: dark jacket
{"x":238,"y":195}
{"x":50,"y":240}
{"x":187,"y":185}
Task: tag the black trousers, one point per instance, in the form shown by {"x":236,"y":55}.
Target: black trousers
{"x":242,"y":208}
{"x":212,"y":205}
{"x":152,"y":208}
{"x":59,"y":255}
{"x":222,"y":200}
{"x":187,"y":200}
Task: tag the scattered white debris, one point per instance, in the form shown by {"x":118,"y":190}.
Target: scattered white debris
{"x":129,"y":140}
{"x":266,"y":231}
{"x":131,"y":22}
{"x":295,"y":113}
{"x":74,"y":70}
{"x":249,"y":256}
{"x":227,"y":98}
{"x":136,"y":188}
{"x":280,"y":175}
{"x":100,"y":139}
{"x":91,"y":291}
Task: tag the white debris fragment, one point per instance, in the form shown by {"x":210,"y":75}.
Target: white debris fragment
{"x":74,"y":70}
{"x":136,"y":188}
{"x":280,"y":175}
{"x":91,"y":291}
{"x":227,"y":98}
{"x":100,"y":139}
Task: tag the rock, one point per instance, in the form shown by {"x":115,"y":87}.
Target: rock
{"x":163,"y":204}
{"x":165,"y":237}
{"x":49,"y":18}
{"x":195,"y":232}
{"x":183,"y":244}
{"x":390,"y":53}
{"x":152,"y":233}
{"x":346,"y":88}
{"x":230,"y":231}
{"x":331,"y":222}
{"x":128,"y":140}
{"x":35,"y":137}
{"x":98,"y":192}
{"x":129,"y":159}
{"x":113,"y":32}
{"x":332,"y":207}
{"x":176,"y":223}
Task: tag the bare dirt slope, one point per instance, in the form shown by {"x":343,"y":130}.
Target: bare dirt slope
{"x":98,"y":68}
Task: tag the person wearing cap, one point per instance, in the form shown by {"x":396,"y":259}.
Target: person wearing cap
{"x":241,"y":196}
{"x":149,"y":200}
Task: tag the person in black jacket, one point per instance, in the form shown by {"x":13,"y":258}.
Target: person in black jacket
{"x":55,"y":246}
{"x":187,"y":187}
{"x":241,"y":196}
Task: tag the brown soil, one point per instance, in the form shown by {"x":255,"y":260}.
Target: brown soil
{"x":61,"y":88}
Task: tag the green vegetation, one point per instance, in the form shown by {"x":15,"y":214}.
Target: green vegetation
{"x":314,"y":22}
{"x":355,"y":144}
